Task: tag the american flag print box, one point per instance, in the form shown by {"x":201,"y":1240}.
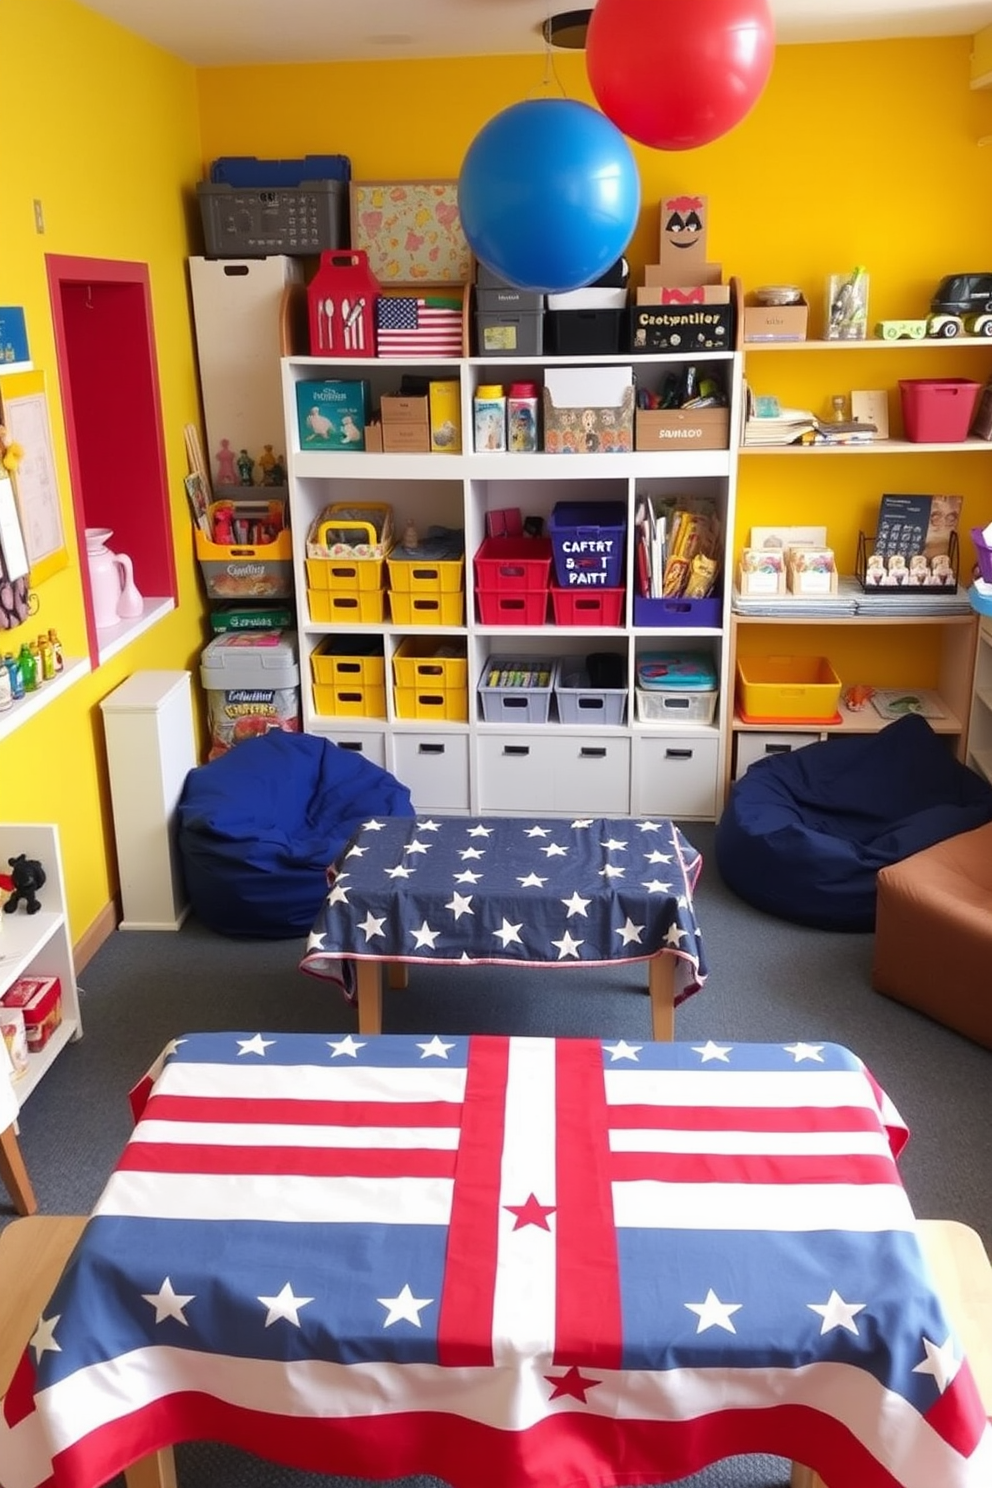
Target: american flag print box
{"x":538,"y":1262}
{"x":418,"y":325}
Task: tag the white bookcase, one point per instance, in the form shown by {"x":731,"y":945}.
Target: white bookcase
{"x":39,"y":944}
{"x":481,"y":767}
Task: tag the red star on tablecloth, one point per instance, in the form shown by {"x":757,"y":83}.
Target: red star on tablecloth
{"x":531,"y":1213}
{"x":573,"y":1383}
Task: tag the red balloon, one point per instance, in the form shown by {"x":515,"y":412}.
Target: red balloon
{"x":675,"y":74}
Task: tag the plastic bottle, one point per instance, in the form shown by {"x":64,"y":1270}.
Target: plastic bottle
{"x":521,"y":417}
{"x":489,"y":410}
{"x":13,"y":668}
{"x":29,"y":668}
{"x":57,"y":651}
{"x":6,"y":693}
{"x":46,"y":653}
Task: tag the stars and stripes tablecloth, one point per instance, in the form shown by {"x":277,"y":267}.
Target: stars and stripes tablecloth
{"x":534,"y":891}
{"x":502,"y":1261}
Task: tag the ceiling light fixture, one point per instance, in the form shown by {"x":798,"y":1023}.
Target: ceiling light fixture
{"x":567,"y":29}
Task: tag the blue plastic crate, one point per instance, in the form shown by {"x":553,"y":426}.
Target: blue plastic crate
{"x":588,"y":539}
{"x":247,"y":170}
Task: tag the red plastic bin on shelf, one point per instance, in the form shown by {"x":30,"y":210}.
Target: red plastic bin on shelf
{"x":938,"y":412}
{"x":587,"y":606}
{"x":512,"y":606}
{"x":513,"y":563}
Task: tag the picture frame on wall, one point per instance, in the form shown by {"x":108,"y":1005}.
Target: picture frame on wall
{"x":411,"y":231}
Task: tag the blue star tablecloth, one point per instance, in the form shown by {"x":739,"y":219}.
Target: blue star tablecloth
{"x":492,"y":890}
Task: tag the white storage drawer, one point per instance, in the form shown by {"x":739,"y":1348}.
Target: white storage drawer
{"x":435,"y":768}
{"x":587,"y":776}
{"x":372,"y":746}
{"x":677,"y":776}
{"x":751,"y":747}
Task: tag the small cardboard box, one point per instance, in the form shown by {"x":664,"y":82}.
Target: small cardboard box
{"x":687,"y":294}
{"x":405,"y":424}
{"x":682,"y":328}
{"x":332,"y":413}
{"x":812,"y":570}
{"x":588,"y":410}
{"x":40,"y":1000}
{"x":446,"y":417}
{"x":761,"y":571}
{"x":682,"y":428}
{"x":775,"y":322}
{"x":402,"y":408}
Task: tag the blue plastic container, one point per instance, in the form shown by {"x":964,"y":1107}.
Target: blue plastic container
{"x":247,"y":170}
{"x":588,"y":538}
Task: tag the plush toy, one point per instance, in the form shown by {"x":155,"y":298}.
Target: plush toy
{"x":28,"y":877}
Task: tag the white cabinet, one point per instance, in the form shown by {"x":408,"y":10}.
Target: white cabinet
{"x":980,"y":730}
{"x":39,"y":944}
{"x":479,"y":765}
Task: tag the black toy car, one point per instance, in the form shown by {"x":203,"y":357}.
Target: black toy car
{"x":962,"y":302}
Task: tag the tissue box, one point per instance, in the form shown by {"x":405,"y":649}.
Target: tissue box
{"x":40,"y":1000}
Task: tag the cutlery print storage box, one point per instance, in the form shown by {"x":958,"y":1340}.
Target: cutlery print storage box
{"x":341,"y":300}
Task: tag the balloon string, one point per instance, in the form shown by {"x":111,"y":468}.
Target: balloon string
{"x":550,"y":70}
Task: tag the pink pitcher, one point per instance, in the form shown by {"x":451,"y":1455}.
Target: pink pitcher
{"x":115,"y":596}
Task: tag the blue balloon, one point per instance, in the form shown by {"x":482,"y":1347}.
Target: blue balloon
{"x":549,"y":195}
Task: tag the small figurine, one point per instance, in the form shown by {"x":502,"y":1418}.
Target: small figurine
{"x":277,"y":472}
{"x":411,"y":537}
{"x":224,"y":523}
{"x":226,"y":473}
{"x":246,"y":468}
{"x":857,"y":697}
{"x":265,"y":462}
{"x":28,"y":877}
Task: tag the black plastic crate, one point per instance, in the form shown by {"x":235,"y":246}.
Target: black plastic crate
{"x":583,"y":332}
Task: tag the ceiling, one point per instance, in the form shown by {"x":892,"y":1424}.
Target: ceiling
{"x":209,"y":33}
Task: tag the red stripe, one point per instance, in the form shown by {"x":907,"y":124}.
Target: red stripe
{"x":743,"y":1118}
{"x":464,"y":1335}
{"x":587,"y":1298}
{"x":206,"y":1108}
{"x":719,"y":1167}
{"x":18,"y":1402}
{"x":314,"y":1162}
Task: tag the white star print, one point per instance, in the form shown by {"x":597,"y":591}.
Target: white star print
{"x":347,"y":1045}
{"x":553,"y":850}
{"x":285,"y":1305}
{"x":836,"y":1313}
{"x":338,"y":895}
{"x":356,"y":852}
{"x":630,"y":932}
{"x":461,"y":904}
{"x":471,"y":852}
{"x":567,"y":946}
{"x":657,"y":857}
{"x":580,"y":822}
{"x":805,"y":1051}
{"x":576,"y":905}
{"x":613,"y":845}
{"x":940,"y":1362}
{"x":648,"y":826}
{"x":674,"y":936}
{"x":713,"y":1313}
{"x":655,"y":886}
{"x":315,"y":941}
{"x":428,"y":826}
{"x":372,"y":925}
{"x":372,"y":826}
{"x":537,"y":832}
{"x":418,"y":847}
{"x":436,"y":1049}
{"x":467,"y":877}
{"x":43,"y":1337}
{"x":611,"y":870}
{"x":622,"y":1050}
{"x":406,"y":1307}
{"x":710,"y":1050}
{"x":172,"y":1047}
{"x":167,"y":1303}
{"x":480,"y":831}
{"x":507,"y":933}
{"x":399,"y":871}
{"x":532,"y":881}
{"x":425,"y":936}
{"x":256,"y":1045}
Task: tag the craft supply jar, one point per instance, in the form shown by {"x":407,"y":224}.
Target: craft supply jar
{"x":489,"y":418}
{"x":521,"y":417}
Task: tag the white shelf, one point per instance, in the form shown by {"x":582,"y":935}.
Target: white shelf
{"x":877,"y":447}
{"x":33,"y":702}
{"x":871,"y":343}
{"x":115,"y":637}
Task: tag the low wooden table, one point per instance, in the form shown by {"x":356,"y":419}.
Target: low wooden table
{"x":511,"y":891}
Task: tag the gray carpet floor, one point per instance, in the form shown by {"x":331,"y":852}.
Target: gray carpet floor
{"x":768,"y":981}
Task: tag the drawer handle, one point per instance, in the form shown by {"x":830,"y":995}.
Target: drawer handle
{"x":593,"y":704}
{"x":672,"y":704}
{"x":778,"y":748}
{"x":516,"y":702}
{"x":424,"y":573}
{"x":355,"y":745}
{"x":678,"y":754}
{"x":430,"y":749}
{"x":516,"y":749}
{"x":588,"y":752}
{"x":349,"y":666}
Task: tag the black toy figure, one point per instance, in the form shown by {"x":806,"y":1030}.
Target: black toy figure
{"x":28,"y":876}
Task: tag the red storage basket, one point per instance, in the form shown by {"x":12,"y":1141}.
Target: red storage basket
{"x":512,"y":606}
{"x":938,"y":412}
{"x":513,"y":563}
{"x":587,"y":606}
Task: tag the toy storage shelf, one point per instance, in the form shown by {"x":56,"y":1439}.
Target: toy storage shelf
{"x":927,"y":651}
{"x":40,"y":944}
{"x":479,"y":766}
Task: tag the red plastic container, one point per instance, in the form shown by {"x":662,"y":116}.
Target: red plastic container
{"x":938,"y":412}
{"x":512,"y":606}
{"x":513,"y":563}
{"x":587,"y":606}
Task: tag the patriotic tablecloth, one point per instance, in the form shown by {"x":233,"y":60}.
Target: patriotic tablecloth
{"x":502,"y":1261}
{"x":535,"y":891}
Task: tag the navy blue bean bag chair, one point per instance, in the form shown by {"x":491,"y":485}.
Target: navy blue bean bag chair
{"x":257,"y":828}
{"x":804,"y":834}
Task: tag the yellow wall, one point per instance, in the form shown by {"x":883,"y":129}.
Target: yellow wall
{"x":103,"y":129}
{"x":856,"y":153}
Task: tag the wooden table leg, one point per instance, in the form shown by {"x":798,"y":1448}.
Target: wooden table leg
{"x":661,"y":985}
{"x":157,"y":1470}
{"x":369,"y":978}
{"x":15,"y":1174}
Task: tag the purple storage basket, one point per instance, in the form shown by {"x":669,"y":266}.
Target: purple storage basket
{"x":983,"y":553}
